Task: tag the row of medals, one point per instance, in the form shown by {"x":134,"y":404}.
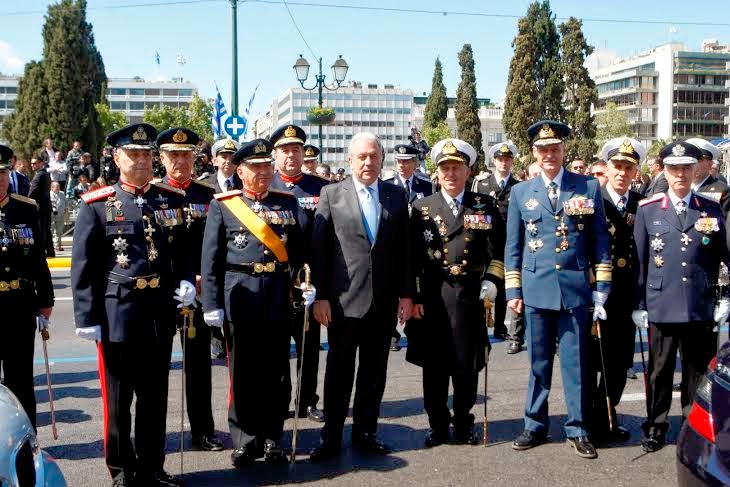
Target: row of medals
{"x":535,"y":244}
{"x":21,"y":236}
{"x":275,"y":217}
{"x":120,"y":244}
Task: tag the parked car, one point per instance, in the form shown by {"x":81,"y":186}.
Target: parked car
{"x":22,"y":462}
{"x":703,"y":446}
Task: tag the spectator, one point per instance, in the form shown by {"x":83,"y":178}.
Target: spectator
{"x":715,"y":172}
{"x":48,"y":152}
{"x":578,"y":166}
{"x":87,"y":167}
{"x":598,"y":171}
{"x":19,"y":182}
{"x":658,"y":182}
{"x":533,"y":170}
{"x":76,"y":151}
{"x":108,"y":168}
{"x":40,"y":191}
{"x":324,"y":171}
{"x":81,"y":187}
{"x":421,"y":146}
{"x":58,"y":212}
{"x":58,"y":170}
{"x":203,"y":160}
{"x":100,"y":182}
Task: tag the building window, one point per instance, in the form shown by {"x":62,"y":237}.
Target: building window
{"x":117,"y":91}
{"x":185,"y":92}
{"x":118,"y":105}
{"x":152,"y":92}
{"x":136,"y":105}
{"x":169,"y":92}
{"x":136,"y":92}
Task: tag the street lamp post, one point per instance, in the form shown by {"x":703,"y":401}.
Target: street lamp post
{"x":339,"y":73}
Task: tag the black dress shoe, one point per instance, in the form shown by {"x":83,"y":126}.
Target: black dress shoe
{"x":528,"y":439}
{"x":653,"y":442}
{"x":436,"y":438}
{"x":395,"y":345}
{"x":207,"y":443}
{"x":500,"y":335}
{"x":370,"y":443}
{"x":316,"y":415}
{"x":619,"y":433}
{"x":120,"y":481}
{"x":514,"y":347}
{"x":325,"y":451}
{"x":466,"y":436}
{"x":245,"y":456}
{"x":157,"y":479}
{"x":677,"y":387}
{"x":630,"y":374}
{"x":582,"y":446}
{"x":273,"y":453}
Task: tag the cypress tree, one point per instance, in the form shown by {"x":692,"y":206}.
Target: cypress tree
{"x":468,"y":125}
{"x":580,"y":91}
{"x":549,"y":74}
{"x":437,"y":105}
{"x":24,"y":129}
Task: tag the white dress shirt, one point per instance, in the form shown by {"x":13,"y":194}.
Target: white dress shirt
{"x":362,"y":195}
{"x":558,"y":180}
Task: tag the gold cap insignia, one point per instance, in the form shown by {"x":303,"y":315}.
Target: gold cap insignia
{"x":627,"y":148}
{"x":290,"y":132}
{"x":229,"y":145}
{"x":546,"y":132}
{"x":179,"y":137}
{"x":678,"y":150}
{"x":449,"y":148}
{"x":402,"y":150}
{"x":139,"y":134}
{"x":260,"y":147}
{"x":309,"y":152}
{"x":504,"y":149}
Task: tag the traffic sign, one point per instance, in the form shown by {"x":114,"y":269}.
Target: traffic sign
{"x":235,"y":126}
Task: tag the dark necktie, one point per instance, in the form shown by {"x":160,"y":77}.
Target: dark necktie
{"x":681,"y":208}
{"x":228,"y":185}
{"x":552,"y":190}
{"x":502,"y":184}
{"x":408,"y":189}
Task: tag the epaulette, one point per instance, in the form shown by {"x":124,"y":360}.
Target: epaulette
{"x":204,"y":183}
{"x":707,"y":197}
{"x":482,"y":175}
{"x":654,"y":198}
{"x":24,"y":199}
{"x":159,"y":184}
{"x":203,"y":176}
{"x":100,"y":193}
{"x":285,"y":193}
{"x":227,"y":194}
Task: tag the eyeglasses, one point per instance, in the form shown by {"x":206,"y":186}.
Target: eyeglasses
{"x":598,"y":173}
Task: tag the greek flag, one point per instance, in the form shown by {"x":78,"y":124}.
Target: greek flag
{"x":248,"y":109}
{"x":219,"y":116}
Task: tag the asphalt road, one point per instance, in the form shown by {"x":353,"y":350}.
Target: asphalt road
{"x":403,"y":424}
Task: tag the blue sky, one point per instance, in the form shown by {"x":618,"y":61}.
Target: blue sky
{"x":380,"y":47}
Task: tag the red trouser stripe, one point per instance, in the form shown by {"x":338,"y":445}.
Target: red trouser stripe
{"x":228,"y":363}
{"x":102,"y":381}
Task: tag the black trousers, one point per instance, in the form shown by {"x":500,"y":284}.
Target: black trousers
{"x":436,"y":396}
{"x":311,"y":357}
{"x":198,"y":388}
{"x":500,"y":311}
{"x":697,"y":344}
{"x":371,"y":334}
{"x":126,"y":370}
{"x":16,"y":356}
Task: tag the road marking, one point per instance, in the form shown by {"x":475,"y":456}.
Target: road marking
{"x":639,"y":396}
{"x":64,"y":298}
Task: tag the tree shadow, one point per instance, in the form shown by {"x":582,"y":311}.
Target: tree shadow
{"x":58,"y":378}
{"x":81,"y":392}
{"x":68,"y":416}
{"x":77,"y":451}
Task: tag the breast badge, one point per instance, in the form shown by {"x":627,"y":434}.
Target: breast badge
{"x":657,"y":244}
{"x":531,"y":204}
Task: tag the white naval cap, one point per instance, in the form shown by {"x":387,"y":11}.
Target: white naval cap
{"x":453,"y":150}
{"x":225,"y":145}
{"x":623,"y":149}
{"x":507,"y":149}
{"x":709,"y":150}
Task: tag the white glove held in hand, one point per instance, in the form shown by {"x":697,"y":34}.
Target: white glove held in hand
{"x":92,"y":333}
{"x":599,"y":299}
{"x":489,"y":290}
{"x":640,"y":318}
{"x":308,"y":294}
{"x":185,"y":294}
{"x":722,"y":310}
{"x":214,"y":318}
{"x":42,"y":322}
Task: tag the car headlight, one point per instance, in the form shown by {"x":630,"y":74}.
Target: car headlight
{"x":9,"y":398}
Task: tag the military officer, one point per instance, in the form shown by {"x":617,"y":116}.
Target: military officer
{"x":177,"y":146}
{"x":499,"y":185}
{"x":128,"y":257}
{"x":681,"y":240}
{"x":288,"y":142}
{"x":705,"y":183}
{"x":417,"y":186}
{"x":26,"y":291}
{"x":458,"y":244}
{"x":556,"y":228}
{"x":309,"y":161}
{"x":624,"y":156}
{"x":225,"y":177}
{"x":252,"y":239}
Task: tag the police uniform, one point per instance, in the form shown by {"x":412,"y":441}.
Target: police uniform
{"x":553,"y":240}
{"x":452,"y":255}
{"x":680,"y":244}
{"x":417,"y":187}
{"x":25,"y":288}
{"x":617,"y":331}
{"x":128,"y":257}
{"x":306,"y":189}
{"x":252,"y":241}
{"x":500,"y":190}
{"x":195,"y":202}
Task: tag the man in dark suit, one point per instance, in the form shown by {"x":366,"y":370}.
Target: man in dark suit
{"x":705,"y":183}
{"x":416,"y":185}
{"x":19,"y":182}
{"x":658,"y":182}
{"x":40,"y":191}
{"x":225,"y":177}
{"x":498,"y":186}
{"x":362,"y":268}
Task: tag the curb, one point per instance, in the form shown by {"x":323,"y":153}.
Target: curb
{"x":59,"y":262}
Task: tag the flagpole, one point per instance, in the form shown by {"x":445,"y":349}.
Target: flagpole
{"x":234,"y":77}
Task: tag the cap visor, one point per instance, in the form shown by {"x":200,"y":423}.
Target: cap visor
{"x":177,"y":147}
{"x":225,"y":151}
{"x":452,"y":158}
{"x":258,"y":160}
{"x":618,"y":157}
{"x":310,"y":158}
{"x":404,"y":157}
{"x":136,"y":147}
{"x":542,"y":142}
{"x":677,"y":161}
{"x":288,"y":140}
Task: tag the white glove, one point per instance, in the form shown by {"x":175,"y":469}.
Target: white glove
{"x":722,"y":310}
{"x":599,"y":299}
{"x":640,"y":318}
{"x":214,"y":318}
{"x":308,"y":294}
{"x":489,"y":290}
{"x":42,"y":322}
{"x":185,"y":294}
{"x":92,"y":333}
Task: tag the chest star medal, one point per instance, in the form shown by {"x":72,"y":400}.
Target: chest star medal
{"x":531,"y":227}
{"x":120,"y":244}
{"x":531,"y":204}
{"x":239,"y":240}
{"x":257,"y":207}
{"x":658,"y":260}
{"x":657,"y":244}
{"x":123,"y":261}
{"x":427,"y":235}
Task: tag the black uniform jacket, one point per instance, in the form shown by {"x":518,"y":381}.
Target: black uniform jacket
{"x":623,"y":249}
{"x":491,"y":187}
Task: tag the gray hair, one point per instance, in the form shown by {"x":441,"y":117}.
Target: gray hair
{"x":366,"y":136}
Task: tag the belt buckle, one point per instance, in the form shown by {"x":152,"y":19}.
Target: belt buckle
{"x":15,"y":284}
{"x":258,"y":268}
{"x":140,"y":283}
{"x":4,"y":286}
{"x":455,"y":270}
{"x":270,"y":267}
{"x":155,"y":282}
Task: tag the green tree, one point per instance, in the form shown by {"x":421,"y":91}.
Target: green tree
{"x":549,"y":73}
{"x":656,"y":147}
{"x":195,"y":116}
{"x":109,"y":120}
{"x":580,"y":91}
{"x":26,"y":128}
{"x":611,"y":123}
{"x":437,"y":105}
{"x":74,"y":76}
{"x":468,"y":125}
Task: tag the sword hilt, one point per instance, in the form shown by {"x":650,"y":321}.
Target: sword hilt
{"x":45,"y":335}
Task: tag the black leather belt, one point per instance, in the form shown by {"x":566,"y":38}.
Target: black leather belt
{"x":15,"y":284}
{"x":151,"y":281}
{"x":259,"y":267}
{"x":455,"y":270}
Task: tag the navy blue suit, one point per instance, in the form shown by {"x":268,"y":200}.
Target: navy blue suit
{"x":555,"y":285}
{"x":420,"y":187}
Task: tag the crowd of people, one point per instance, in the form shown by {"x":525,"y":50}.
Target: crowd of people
{"x":238,"y":240}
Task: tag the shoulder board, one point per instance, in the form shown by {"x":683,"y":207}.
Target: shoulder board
{"x":387,"y":180}
{"x":707,"y":197}
{"x":159,"y":184}
{"x":227,"y":194}
{"x":24,"y":199}
{"x":100,"y":193}
{"x":481,"y":176}
{"x":654,"y":198}
{"x":283,"y":193}
{"x":203,"y":183}
{"x":204,"y":176}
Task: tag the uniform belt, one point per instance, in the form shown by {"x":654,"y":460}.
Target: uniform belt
{"x":259,"y":267}
{"x":455,"y":270}
{"x":137,"y":282}
{"x":15,"y":284}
